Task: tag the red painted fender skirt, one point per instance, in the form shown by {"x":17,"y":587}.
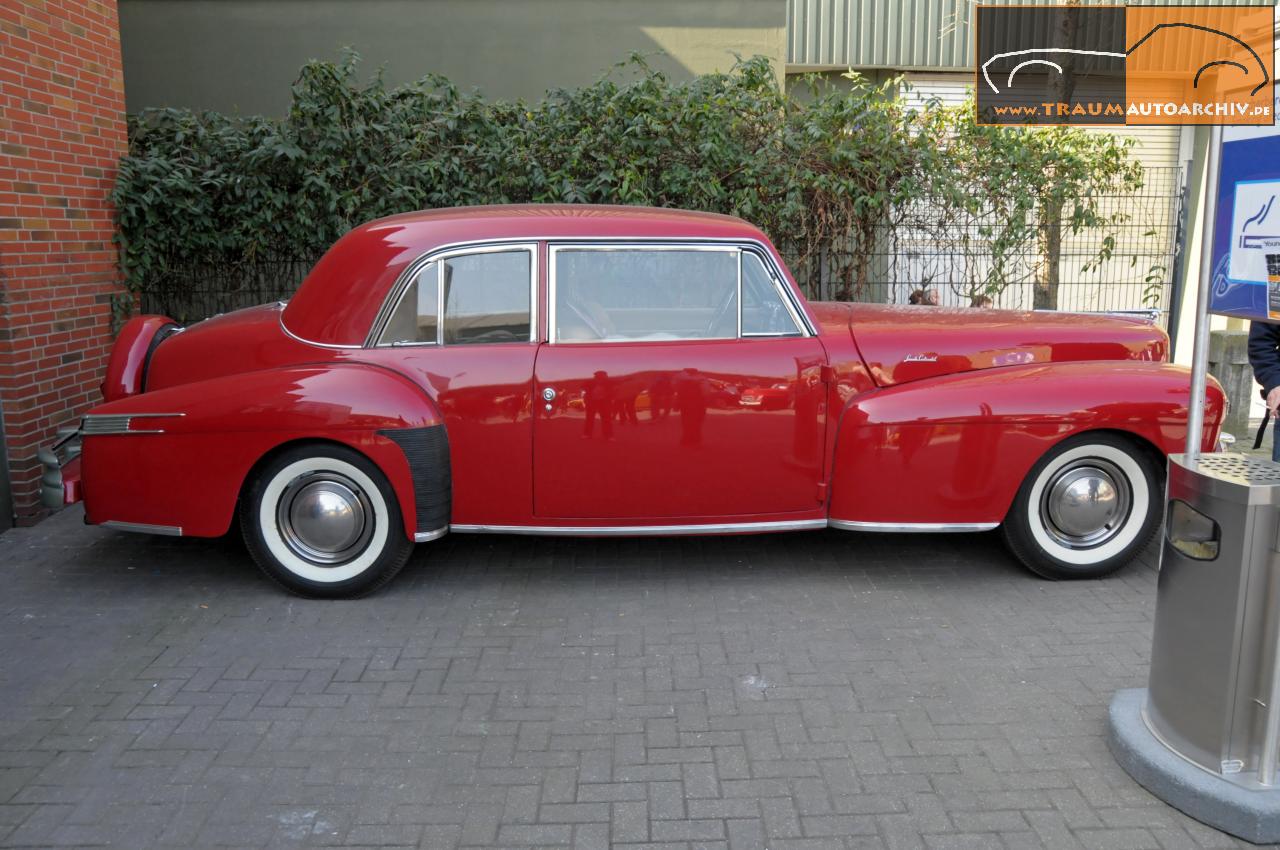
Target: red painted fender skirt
{"x":955,"y":449}
{"x":190,"y":474}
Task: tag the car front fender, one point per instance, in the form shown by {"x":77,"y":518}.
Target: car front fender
{"x":953,"y":450}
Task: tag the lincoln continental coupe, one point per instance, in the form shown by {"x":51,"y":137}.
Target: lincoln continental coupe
{"x":580,"y":370}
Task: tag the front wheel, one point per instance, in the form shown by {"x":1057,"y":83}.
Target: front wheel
{"x":322,"y":521}
{"x":1086,"y":508}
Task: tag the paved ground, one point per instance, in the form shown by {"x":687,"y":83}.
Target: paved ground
{"x":805,"y":691}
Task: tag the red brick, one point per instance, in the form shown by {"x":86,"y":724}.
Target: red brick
{"x":62,"y":117}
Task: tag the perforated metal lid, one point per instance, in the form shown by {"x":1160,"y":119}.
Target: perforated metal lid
{"x":1228,"y":475}
{"x":1240,"y":469}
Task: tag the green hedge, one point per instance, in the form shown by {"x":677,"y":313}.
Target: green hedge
{"x":205,"y":188}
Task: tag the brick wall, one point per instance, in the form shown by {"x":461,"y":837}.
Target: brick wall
{"x":62,"y":130}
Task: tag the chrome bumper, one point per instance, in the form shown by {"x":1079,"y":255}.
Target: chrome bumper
{"x":55,"y":458}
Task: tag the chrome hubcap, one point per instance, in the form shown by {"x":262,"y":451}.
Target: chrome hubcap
{"x":325,"y":518}
{"x":1086,"y":503}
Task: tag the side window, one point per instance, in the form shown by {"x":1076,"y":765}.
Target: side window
{"x":485,"y":297}
{"x":645,"y":294}
{"x":415,"y":319}
{"x":764,"y":313}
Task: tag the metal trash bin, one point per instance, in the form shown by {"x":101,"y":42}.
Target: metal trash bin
{"x":1214,"y":693}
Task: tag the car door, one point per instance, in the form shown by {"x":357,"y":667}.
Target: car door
{"x":465,"y":328}
{"x":678,"y":382}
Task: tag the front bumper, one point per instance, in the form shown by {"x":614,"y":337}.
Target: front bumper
{"x":60,"y":482}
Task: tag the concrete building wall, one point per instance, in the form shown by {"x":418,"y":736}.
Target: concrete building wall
{"x":241,"y":55}
{"x":62,"y":131}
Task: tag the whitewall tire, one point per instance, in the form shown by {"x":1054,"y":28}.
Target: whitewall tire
{"x":1086,"y":508}
{"x":322,"y":520}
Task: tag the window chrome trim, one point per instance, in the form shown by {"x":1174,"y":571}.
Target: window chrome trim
{"x":305,"y":341}
{"x":101,"y":424}
{"x":912,"y":527}
{"x":784,"y":295}
{"x":643,"y":530}
{"x":439,"y":261}
{"x":143,"y":527}
{"x":739,"y":265}
{"x":807,"y":328}
{"x":441,"y":255}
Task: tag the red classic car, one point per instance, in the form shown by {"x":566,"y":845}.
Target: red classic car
{"x":582,"y":370}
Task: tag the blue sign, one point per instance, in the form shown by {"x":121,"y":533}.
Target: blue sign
{"x":1246,"y":236}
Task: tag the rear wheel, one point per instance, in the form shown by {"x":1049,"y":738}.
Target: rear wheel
{"x":323,"y":521}
{"x":1086,"y":508}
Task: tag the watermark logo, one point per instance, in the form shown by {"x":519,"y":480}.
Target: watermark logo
{"x":1115,"y":65}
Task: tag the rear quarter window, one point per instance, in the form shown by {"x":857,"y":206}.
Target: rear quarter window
{"x":482,"y":297}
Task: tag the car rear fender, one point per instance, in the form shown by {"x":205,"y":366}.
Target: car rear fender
{"x":953,"y":450}
{"x":177,"y":458}
{"x":131,"y":355}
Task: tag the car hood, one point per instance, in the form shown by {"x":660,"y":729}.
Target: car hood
{"x":901,"y":344}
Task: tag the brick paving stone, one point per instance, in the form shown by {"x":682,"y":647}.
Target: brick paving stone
{"x":795,"y":691}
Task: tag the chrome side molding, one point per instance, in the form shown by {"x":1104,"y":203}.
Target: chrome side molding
{"x":428,"y":536}
{"x":710,"y":528}
{"x":95,"y":424}
{"x":643,"y":530}
{"x":143,"y":527}
{"x":912,"y":527}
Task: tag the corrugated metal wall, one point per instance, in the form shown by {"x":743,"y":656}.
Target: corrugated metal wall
{"x":923,"y":34}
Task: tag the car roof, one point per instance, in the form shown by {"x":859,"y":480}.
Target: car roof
{"x":586,"y":214}
{"x":340,"y":298}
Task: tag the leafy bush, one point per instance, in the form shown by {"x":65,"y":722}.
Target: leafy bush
{"x":205,"y":188}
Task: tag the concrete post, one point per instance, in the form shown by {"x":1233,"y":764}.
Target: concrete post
{"x":1229,"y":363}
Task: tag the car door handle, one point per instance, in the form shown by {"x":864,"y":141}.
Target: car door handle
{"x":548,"y":394}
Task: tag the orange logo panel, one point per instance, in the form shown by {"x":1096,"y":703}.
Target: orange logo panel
{"x":1200,"y":65}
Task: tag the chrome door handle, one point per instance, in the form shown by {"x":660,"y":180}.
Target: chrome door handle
{"x":548,"y":394}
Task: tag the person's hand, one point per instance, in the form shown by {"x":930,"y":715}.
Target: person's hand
{"x":1273,"y":400}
